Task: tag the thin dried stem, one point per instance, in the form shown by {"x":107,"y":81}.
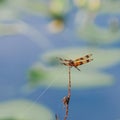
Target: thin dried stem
{"x":69,"y":82}
{"x":66,"y":99}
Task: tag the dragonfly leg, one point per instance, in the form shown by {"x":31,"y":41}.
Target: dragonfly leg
{"x":77,"y":68}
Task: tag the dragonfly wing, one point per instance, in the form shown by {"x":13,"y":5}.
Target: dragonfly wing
{"x":64,"y":61}
{"x":84,"y":58}
{"x":77,"y":63}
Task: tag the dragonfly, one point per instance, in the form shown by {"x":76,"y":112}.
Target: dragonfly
{"x":77,"y":62}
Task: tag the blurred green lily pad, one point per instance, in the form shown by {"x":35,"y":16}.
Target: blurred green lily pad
{"x":37,"y":74}
{"x":24,"y":110}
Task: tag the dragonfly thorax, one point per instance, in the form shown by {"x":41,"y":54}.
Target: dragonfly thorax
{"x":71,"y":62}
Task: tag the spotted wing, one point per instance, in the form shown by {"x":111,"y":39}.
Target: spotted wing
{"x":86,"y":57}
{"x":82,"y":60}
{"x":64,"y":61}
{"x":77,"y":63}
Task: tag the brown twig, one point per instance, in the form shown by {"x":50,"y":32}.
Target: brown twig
{"x":69,"y":82}
{"x":66,"y":99}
